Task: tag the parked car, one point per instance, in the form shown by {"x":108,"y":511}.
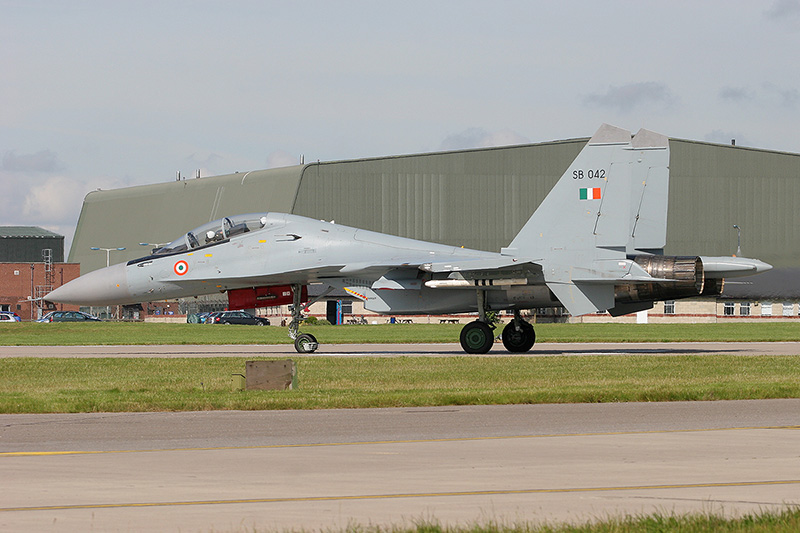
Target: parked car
{"x":68,"y":316}
{"x":209,"y":318}
{"x":7,"y":316}
{"x":238,"y":317}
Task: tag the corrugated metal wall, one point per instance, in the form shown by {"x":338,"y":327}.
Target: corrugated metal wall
{"x":29,"y":249}
{"x":713,"y":187}
{"x":477,"y":199}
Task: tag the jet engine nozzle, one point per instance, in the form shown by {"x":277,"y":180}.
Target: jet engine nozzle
{"x":674,"y":277}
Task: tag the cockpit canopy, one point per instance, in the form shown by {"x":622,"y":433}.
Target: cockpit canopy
{"x":214,"y":232}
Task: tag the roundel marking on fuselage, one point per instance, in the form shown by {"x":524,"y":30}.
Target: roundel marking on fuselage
{"x":181,"y":268}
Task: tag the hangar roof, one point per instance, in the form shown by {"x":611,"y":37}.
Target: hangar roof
{"x":33,"y":232}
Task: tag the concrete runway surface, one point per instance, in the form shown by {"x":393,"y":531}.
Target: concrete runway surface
{"x":392,"y":350}
{"x":275,"y":470}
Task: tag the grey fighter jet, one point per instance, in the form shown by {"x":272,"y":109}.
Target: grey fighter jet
{"x":594,"y":244}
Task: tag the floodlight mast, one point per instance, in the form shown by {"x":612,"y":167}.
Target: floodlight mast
{"x":108,"y":263}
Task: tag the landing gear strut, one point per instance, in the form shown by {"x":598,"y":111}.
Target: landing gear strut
{"x":518,"y":335}
{"x":478,"y":336}
{"x":303,"y":342}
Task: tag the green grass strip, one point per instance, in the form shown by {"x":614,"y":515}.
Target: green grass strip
{"x":44,"y":385}
{"x":785,"y":521}
{"x":72,"y":334}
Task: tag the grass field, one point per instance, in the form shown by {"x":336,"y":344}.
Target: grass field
{"x":766,"y":522}
{"x":40,"y":385}
{"x":71,"y":334}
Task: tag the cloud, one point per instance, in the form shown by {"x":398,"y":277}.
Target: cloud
{"x":736,"y":94}
{"x":42,"y":161}
{"x":481,"y":138}
{"x":280,"y":158}
{"x":206,"y":165}
{"x":784,"y":97}
{"x":628,"y":97}
{"x":783,"y":9}
{"x":55,"y":201}
{"x":768,"y":94}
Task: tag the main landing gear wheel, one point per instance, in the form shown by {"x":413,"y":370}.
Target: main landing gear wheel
{"x":477,"y":337}
{"x":306,"y":343}
{"x":518,"y":340}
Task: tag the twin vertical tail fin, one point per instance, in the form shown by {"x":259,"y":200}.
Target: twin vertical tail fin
{"x":612,"y":197}
{"x":611,"y":203}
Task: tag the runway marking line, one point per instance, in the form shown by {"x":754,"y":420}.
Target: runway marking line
{"x":401,"y":495}
{"x":365,"y":443}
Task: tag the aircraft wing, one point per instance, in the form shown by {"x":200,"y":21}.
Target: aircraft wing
{"x":476,"y":264}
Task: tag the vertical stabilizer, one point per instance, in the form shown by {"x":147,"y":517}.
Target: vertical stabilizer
{"x":613,"y":196}
{"x":610,"y":202}
{"x":566,"y":221}
{"x":651,"y":192}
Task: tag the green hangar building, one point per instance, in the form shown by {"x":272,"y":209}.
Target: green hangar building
{"x":720,"y":197}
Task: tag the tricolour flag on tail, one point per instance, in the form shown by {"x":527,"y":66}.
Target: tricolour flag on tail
{"x":592,"y":193}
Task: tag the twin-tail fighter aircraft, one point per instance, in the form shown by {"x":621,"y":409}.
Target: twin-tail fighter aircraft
{"x":594,"y":244}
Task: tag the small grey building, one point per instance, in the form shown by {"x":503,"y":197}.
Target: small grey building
{"x":26,"y":244}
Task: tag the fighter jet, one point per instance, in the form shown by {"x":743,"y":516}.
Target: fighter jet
{"x":594,"y":244}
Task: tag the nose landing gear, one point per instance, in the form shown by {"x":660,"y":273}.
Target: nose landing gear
{"x":303,"y":342}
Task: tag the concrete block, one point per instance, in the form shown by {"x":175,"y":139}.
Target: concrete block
{"x":270,"y":375}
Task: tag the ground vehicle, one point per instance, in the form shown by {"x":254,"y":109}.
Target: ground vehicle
{"x":238,"y":317}
{"x":6,"y":316}
{"x":68,"y":316}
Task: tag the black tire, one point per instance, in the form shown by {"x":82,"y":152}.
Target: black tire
{"x":306,"y":343}
{"x":477,"y":337}
{"x":518,"y":341}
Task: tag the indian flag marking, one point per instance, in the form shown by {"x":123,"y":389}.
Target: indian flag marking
{"x":592,"y":193}
{"x":181,"y":268}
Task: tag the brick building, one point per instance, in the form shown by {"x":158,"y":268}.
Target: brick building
{"x":32,"y":265}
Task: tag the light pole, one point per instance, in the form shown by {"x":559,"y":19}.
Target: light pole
{"x":108,"y":252}
{"x":108,"y":264}
{"x":155,"y":245}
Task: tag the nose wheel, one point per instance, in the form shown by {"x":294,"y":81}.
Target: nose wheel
{"x":305,"y":343}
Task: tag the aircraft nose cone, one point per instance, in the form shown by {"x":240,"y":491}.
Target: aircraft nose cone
{"x":107,"y":286}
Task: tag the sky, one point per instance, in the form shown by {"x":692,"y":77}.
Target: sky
{"x":101,"y":94}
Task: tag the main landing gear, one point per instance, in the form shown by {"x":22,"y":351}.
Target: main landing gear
{"x":477,"y":337}
{"x":518,"y":335}
{"x":303,"y":342}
